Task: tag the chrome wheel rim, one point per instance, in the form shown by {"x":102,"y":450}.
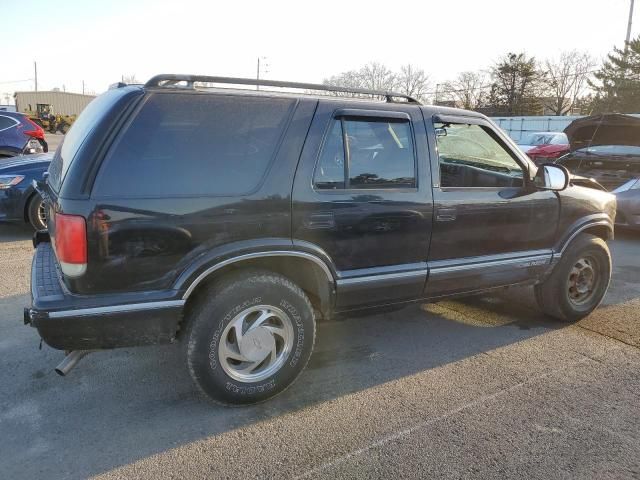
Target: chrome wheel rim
{"x":256,"y":343}
{"x":582,"y":280}
{"x":42,"y":214}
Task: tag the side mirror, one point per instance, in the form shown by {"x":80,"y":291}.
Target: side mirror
{"x":552,"y":177}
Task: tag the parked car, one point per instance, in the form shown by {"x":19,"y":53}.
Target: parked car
{"x":609,"y":165}
{"x":19,"y":202}
{"x":19,"y":134}
{"x":544,"y":146}
{"x":628,"y":199}
{"x":231,"y":220}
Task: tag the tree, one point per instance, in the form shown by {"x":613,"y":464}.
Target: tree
{"x":373,"y":76}
{"x":617,"y":83}
{"x":516,"y":83}
{"x":566,"y":80}
{"x":130,"y":79}
{"x":413,"y":81}
{"x":468,"y":90}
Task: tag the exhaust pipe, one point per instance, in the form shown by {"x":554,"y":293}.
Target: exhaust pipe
{"x":70,"y":361}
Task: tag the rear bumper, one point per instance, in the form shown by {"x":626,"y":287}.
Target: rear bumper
{"x":70,"y":322}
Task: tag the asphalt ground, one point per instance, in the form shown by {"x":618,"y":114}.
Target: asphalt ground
{"x":481,"y":388}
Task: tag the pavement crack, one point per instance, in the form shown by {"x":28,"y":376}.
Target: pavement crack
{"x":419,"y":426}
{"x":633,"y":345}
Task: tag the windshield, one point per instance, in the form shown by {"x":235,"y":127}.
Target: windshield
{"x":545,"y":138}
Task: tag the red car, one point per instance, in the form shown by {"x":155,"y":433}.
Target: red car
{"x":546,"y":147}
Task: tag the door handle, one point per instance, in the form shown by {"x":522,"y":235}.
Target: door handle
{"x":446,"y":214}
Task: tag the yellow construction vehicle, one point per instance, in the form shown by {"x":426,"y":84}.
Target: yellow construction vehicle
{"x":48,"y":120}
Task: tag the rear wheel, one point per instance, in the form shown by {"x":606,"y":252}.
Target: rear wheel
{"x":579,"y":282}
{"x":250,"y":338}
{"x":36,"y":212}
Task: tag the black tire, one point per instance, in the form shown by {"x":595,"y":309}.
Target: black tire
{"x":559,"y":297}
{"x":210,"y":323}
{"x":34,"y":213}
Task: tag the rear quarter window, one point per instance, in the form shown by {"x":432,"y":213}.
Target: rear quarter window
{"x":80,"y":130}
{"x":7,"y":122}
{"x":186,"y":144}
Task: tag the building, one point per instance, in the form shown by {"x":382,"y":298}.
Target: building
{"x":519,"y":127}
{"x":62,"y":103}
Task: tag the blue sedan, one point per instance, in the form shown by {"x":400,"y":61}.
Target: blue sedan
{"x":19,"y":202}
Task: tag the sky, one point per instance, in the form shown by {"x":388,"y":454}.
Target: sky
{"x":99,"y":41}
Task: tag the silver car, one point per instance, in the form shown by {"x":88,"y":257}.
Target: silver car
{"x":628,"y":197}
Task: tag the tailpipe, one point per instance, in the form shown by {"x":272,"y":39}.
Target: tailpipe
{"x":71,"y":360}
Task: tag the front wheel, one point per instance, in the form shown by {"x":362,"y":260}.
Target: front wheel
{"x":579,"y":282}
{"x":36,"y":212}
{"x":250,"y":337}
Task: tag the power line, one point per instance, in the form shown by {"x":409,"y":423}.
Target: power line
{"x":17,"y":81}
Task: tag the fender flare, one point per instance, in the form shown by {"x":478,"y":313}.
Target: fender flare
{"x":596,"y":220}
{"x":253,"y":255}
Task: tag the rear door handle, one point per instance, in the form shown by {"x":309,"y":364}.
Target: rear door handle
{"x":446,"y":214}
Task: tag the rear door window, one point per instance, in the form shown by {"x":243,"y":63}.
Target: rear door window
{"x":195,"y":144}
{"x":367,"y":153}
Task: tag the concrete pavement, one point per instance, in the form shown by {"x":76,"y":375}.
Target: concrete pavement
{"x":481,"y":388}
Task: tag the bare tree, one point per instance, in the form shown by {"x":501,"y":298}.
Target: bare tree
{"x":373,"y":76}
{"x":376,"y":76}
{"x":350,"y":79}
{"x":413,"y":81}
{"x":567,"y":78}
{"x":469,"y":90}
{"x":130,"y":79}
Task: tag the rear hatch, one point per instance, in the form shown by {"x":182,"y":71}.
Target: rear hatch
{"x":67,"y":188}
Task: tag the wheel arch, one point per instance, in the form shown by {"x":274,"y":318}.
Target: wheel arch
{"x":309,"y":272}
{"x":602,"y":228}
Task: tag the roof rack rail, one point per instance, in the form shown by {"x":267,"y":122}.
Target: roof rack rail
{"x":169,"y":79}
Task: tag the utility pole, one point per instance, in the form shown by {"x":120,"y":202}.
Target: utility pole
{"x":626,"y":43}
{"x":264,"y":67}
{"x":35,"y":74}
{"x":83,"y":87}
{"x":258,"y":75}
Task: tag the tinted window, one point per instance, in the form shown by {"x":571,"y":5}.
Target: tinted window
{"x":379,"y":154}
{"x":472,"y":156}
{"x":195,"y":144}
{"x":331,"y":172}
{"x":81,"y":128}
{"x":6,"y":122}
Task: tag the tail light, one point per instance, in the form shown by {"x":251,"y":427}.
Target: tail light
{"x":70,"y":243}
{"x":36,"y":130}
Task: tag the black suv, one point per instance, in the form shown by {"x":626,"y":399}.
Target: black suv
{"x":232,"y":219}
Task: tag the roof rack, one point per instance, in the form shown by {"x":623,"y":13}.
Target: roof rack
{"x":169,"y":80}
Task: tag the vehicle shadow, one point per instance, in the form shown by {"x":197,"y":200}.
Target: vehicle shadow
{"x":121,"y":406}
{"x":13,"y":232}
{"x":139,"y":402}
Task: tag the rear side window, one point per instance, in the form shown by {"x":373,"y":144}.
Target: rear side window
{"x":195,"y":144}
{"x":7,"y":122}
{"x":361,"y":153}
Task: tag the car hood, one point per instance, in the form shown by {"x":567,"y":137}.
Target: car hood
{"x":25,"y":161}
{"x":606,"y":129}
{"x":585,"y":182}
